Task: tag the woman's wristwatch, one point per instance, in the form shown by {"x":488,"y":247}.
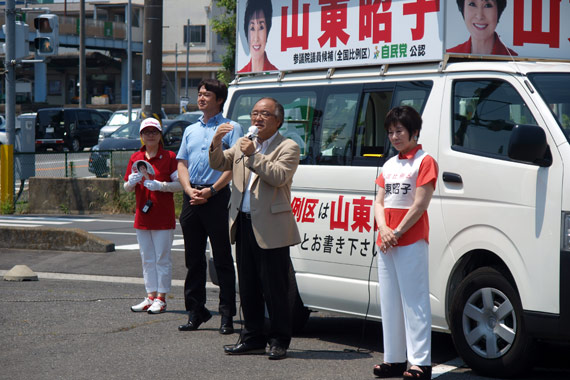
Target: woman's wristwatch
{"x":213,"y":191}
{"x":397,"y":233}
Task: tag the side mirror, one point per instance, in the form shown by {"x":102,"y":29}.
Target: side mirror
{"x":528,"y":143}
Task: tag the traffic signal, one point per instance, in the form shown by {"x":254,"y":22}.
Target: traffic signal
{"x":47,"y":34}
{"x":22,"y":32}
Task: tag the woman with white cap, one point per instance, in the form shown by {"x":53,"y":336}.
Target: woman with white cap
{"x":154,"y":217}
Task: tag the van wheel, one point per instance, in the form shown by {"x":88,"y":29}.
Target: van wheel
{"x":487,"y":325}
{"x":299,"y":313}
{"x":75,"y":145}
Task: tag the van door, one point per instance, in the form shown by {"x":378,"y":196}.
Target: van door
{"x":499,"y":214}
{"x":71,"y":125}
{"x":97,"y":122}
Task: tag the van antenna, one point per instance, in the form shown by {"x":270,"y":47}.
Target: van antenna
{"x":519,"y":72}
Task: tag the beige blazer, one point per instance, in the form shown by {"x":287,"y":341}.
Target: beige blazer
{"x":272,"y":219}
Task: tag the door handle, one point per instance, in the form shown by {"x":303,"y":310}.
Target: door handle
{"x":451,"y":177}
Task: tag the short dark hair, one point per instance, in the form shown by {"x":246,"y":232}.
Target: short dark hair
{"x":407,"y":116}
{"x":279,"y":110}
{"x":501,"y":5}
{"x":256,"y":6}
{"x":217,"y":87}
{"x":141,"y":164}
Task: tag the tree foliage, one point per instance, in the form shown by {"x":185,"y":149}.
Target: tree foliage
{"x":225,"y":26}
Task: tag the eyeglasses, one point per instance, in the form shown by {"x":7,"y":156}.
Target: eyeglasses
{"x":149,"y":131}
{"x":263,"y":114}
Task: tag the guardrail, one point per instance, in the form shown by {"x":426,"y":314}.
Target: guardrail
{"x":87,"y":164}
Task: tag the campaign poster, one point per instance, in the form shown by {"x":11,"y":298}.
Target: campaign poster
{"x":536,"y":29}
{"x":282,"y":35}
{"x":145,"y":168}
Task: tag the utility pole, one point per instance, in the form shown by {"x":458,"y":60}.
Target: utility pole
{"x":10,"y":69}
{"x":152,"y":59}
{"x":187,"y":54}
{"x":7,"y":151}
{"x":82,"y":68}
{"x":129,"y":61}
{"x":176,"y":89}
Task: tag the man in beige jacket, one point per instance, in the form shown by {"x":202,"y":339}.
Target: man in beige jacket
{"x":262,"y":225}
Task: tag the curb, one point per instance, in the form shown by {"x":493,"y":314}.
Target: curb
{"x":57,"y":239}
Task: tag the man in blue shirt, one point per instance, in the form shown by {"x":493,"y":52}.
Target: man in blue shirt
{"x":205,"y":209}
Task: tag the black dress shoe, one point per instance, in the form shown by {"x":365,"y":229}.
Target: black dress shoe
{"x":195,"y":320}
{"x":277,"y":353}
{"x":227,"y":325}
{"x":244,"y":349}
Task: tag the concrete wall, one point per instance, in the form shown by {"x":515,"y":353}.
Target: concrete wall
{"x":72,"y":195}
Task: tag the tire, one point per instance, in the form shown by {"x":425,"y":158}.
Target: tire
{"x":299,"y":313}
{"x":75,"y":145}
{"x":487,"y":325}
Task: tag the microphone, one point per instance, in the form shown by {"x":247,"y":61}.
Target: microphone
{"x":251,"y":135}
{"x":252,"y":132}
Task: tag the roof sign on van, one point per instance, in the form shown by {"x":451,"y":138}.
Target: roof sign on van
{"x":293,"y":35}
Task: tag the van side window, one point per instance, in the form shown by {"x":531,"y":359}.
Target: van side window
{"x":83,"y":119}
{"x":98,"y":119}
{"x":337,"y":129}
{"x":370,"y":132}
{"x":299,"y":107}
{"x":372,"y":142}
{"x":484,"y":113}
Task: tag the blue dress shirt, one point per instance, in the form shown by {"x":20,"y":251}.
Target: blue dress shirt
{"x":196,"y":142}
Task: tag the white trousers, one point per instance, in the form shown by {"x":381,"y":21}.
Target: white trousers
{"x":403,"y":280}
{"x":155,"y":246}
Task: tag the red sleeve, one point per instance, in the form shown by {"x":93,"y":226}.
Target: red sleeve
{"x":428,"y":172}
{"x":380,"y":180}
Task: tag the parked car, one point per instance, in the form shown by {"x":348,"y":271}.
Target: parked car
{"x":127,"y":137}
{"x":72,"y":128}
{"x":3,"y":136}
{"x":121,"y":117}
{"x":105,"y":113}
{"x":191,"y":116}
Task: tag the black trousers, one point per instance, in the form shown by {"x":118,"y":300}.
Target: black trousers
{"x":198,"y":223}
{"x":263,"y":280}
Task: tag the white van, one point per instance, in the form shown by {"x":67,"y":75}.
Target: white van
{"x":120,"y":118}
{"x":500,"y":215}
{"x":498,"y":126}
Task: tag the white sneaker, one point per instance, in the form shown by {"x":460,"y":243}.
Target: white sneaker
{"x":143,"y":306}
{"x":158,"y":306}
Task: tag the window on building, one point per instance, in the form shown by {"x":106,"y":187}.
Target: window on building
{"x":192,"y":82}
{"x":220,"y":39}
{"x":197,"y":34}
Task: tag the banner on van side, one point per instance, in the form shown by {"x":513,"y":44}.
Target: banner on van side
{"x":281,"y":35}
{"x":310,"y":34}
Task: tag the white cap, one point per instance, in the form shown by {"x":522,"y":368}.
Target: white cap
{"x":150,"y":122}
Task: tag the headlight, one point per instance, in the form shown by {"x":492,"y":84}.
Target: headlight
{"x":565,"y":244}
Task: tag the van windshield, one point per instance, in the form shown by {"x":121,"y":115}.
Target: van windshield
{"x":128,"y":131}
{"x":121,"y":118}
{"x":553,"y":87}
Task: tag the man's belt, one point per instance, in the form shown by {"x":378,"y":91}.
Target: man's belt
{"x":200,"y":187}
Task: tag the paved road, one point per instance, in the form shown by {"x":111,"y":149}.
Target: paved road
{"x":75,"y":323}
{"x":55,"y":164}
